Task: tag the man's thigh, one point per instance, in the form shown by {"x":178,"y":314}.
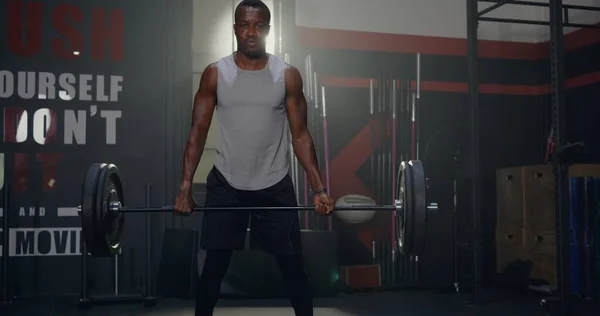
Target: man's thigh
{"x":222,"y":229}
{"x":277,"y":232}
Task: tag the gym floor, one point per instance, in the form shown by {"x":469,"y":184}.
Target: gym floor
{"x":368,"y":304}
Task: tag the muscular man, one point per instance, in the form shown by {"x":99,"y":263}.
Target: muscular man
{"x":254,"y":93}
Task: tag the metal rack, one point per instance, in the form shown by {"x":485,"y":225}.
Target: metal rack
{"x":147,"y":297}
{"x":559,"y":18}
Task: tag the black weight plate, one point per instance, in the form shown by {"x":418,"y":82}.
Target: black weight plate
{"x":90,"y":230}
{"x":109,"y":191}
{"x":419,"y":189}
{"x":99,"y":213}
{"x":404,"y":217}
{"x":117,"y":221}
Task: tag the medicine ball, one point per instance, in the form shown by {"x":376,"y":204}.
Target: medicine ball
{"x":356,"y":216}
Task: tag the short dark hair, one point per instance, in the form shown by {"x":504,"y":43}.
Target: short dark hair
{"x":254,"y":4}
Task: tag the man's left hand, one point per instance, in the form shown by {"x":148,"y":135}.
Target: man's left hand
{"x":323,"y":203}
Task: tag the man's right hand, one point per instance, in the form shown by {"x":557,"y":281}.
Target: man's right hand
{"x":184,"y":203}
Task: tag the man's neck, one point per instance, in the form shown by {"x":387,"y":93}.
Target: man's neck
{"x":249,"y":63}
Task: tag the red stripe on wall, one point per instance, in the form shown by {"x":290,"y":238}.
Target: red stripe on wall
{"x":484,"y":88}
{"x":401,"y":43}
{"x":346,"y":82}
{"x":581,"y":38}
{"x":441,"y":86}
{"x":461,"y":87}
{"x":431,"y":45}
{"x":583,"y":80}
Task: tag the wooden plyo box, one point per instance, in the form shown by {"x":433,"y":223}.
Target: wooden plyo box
{"x":361,"y":277}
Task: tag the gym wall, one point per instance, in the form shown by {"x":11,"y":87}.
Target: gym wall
{"x":432,"y":18}
{"x":583,"y":83}
{"x":348,"y":48}
{"x":347,"y":53}
{"x":129,"y":65}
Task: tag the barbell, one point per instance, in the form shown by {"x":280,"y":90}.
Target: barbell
{"x":103,"y":207}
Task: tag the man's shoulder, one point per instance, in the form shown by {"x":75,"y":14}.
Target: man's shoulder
{"x":215,"y":65}
{"x":220,"y":62}
{"x":291,"y":70}
{"x":211,"y":68}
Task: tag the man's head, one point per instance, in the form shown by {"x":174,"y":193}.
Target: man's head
{"x":252,"y":25}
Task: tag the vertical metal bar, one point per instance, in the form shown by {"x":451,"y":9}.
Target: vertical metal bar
{"x":116,"y":276}
{"x":315,"y":84}
{"x":418,"y":76}
{"x":373,"y":252}
{"x":295,"y":163}
{"x":380,"y":138}
{"x":389,"y":177}
{"x":311,"y":82}
{"x":293,"y":159}
{"x":307,"y":85}
{"x":315,"y":92}
{"x":84,"y":254}
{"x":383,"y":143}
{"x":394,"y":152}
{"x":326,"y":149}
{"x":372,"y":132}
{"x":5,"y":244}
{"x":559,"y":114}
{"x":413,"y":127}
{"x":417,"y":270}
{"x":455,"y":234}
{"x":473,"y":57}
{"x":149,"y":282}
{"x":293,"y":171}
{"x":417,"y":109}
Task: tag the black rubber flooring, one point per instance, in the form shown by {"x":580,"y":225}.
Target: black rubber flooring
{"x":368,"y":304}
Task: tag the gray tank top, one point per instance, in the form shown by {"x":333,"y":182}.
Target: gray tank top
{"x":252,"y":134}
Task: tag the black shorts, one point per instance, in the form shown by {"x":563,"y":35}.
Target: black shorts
{"x":277,"y":232}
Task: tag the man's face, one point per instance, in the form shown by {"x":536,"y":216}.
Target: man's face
{"x":251,"y":31}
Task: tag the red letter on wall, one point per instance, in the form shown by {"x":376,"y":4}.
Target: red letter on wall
{"x":21,"y":161}
{"x":107,"y":30}
{"x":29,"y":44}
{"x":49,"y":162}
{"x":72,"y":39}
{"x":12,"y":118}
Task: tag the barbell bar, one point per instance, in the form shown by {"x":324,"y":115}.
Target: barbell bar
{"x":102,"y":208}
{"x":116,"y":207}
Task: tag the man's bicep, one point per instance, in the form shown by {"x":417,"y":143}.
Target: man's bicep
{"x":205,"y":98}
{"x":295,"y":101}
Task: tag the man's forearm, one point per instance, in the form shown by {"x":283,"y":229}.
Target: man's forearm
{"x":191,"y":158}
{"x":304,"y":148}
